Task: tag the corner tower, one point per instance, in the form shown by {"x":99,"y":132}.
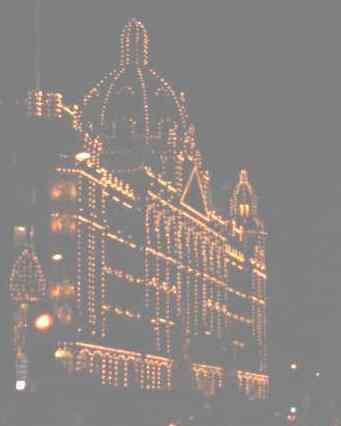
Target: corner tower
{"x":245,"y":218}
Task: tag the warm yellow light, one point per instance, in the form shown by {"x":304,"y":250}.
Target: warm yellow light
{"x":55,"y":292}
{"x":43,"y":322}
{"x":59,"y":354}
{"x":64,"y":315}
{"x":63,"y":354}
{"x":20,"y":229}
{"x":82,"y":156}
{"x":57,"y":257}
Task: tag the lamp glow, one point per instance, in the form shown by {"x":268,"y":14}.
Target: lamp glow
{"x":43,"y":322}
{"x":57,"y":257}
{"x":20,"y":385}
{"x":82,"y":156}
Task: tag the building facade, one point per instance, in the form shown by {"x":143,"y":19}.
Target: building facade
{"x":142,"y":271}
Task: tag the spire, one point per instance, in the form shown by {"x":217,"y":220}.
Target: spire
{"x":27,"y":280}
{"x":134,"y":44}
{"x":37,"y":44}
{"x":243,"y":176}
{"x":243,"y":201}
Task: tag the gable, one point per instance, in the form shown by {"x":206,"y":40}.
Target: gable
{"x":193,"y":196}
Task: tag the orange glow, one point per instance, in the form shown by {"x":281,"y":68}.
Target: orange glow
{"x":63,"y":189}
{"x":20,"y":229}
{"x":63,"y":223}
{"x":43,"y":322}
{"x":68,"y":290}
{"x":56,"y":192}
{"x":55,"y":292}
{"x":64,"y":314}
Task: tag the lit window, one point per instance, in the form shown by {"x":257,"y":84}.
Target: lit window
{"x":244,"y":210}
{"x":63,"y":190}
{"x":55,"y":292}
{"x":64,"y":314}
{"x":247,"y":210}
{"x":65,"y":223}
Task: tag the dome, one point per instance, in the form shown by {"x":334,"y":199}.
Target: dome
{"x":134,"y":96}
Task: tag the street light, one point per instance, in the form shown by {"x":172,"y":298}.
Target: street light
{"x":82,"y":156}
{"x":293,"y":366}
{"x":20,"y":385}
{"x":43,"y":322}
{"x":57,"y":257}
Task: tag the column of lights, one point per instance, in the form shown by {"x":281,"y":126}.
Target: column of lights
{"x":219,"y":293}
{"x":91,"y":280}
{"x":153,"y":376}
{"x":145,"y":104}
{"x":116,"y":368}
{"x":261,"y":291}
{"x":91,"y":250}
{"x":204,"y":282}
{"x":104,"y":294}
{"x":109,"y":370}
{"x":259,"y":320}
{"x":104,"y":371}
{"x":147,"y":376}
{"x":214,"y":289}
{"x":157,"y":224}
{"x":142,"y":375}
{"x":147,"y":272}
{"x":168,"y":275}
{"x":172,"y":140}
{"x":196,"y":307}
{"x":125,"y":373}
{"x":188,"y":283}
{"x":226,"y":279}
{"x":179,"y":251}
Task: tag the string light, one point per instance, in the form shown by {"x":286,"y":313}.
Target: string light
{"x":198,"y":266}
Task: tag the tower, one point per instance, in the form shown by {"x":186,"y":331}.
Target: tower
{"x":250,"y":229}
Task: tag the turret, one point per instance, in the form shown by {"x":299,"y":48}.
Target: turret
{"x":249,"y":228}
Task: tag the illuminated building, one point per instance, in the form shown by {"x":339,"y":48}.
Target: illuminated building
{"x":139,"y":261}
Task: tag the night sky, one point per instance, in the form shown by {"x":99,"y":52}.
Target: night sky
{"x":263,"y":85}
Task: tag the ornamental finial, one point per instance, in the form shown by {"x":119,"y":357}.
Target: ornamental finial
{"x":243,"y":176}
{"x":134,"y":44}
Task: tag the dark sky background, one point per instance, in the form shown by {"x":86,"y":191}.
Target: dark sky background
{"x":263,"y":83}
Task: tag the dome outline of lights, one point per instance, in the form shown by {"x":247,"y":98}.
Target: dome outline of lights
{"x":137,"y":78}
